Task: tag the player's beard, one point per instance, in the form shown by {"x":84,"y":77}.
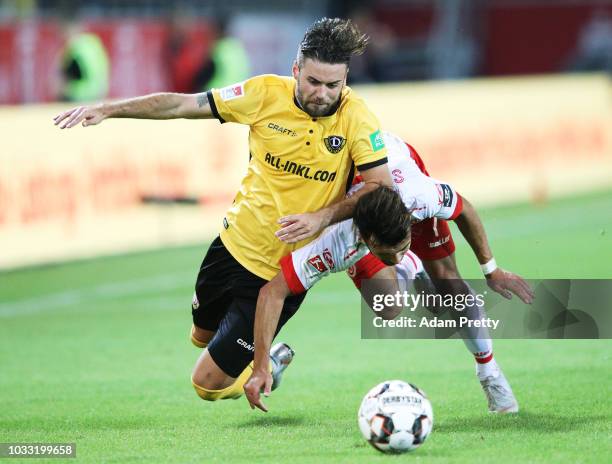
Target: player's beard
{"x":309,"y":107}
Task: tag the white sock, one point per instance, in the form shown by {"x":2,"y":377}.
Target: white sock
{"x":481,"y":348}
{"x":488,"y":369}
{"x":479,"y":343}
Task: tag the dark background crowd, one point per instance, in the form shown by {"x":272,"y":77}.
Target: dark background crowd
{"x":89,"y":49}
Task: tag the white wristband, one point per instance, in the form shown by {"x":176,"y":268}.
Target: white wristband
{"x":489,"y":266}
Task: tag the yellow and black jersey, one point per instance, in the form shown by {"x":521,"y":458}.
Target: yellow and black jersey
{"x":298,"y":163}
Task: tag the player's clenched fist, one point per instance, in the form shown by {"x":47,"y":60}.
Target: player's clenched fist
{"x":89,"y":115}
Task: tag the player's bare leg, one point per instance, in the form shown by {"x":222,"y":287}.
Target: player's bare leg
{"x":500,"y":398}
{"x":207,"y":374}
{"x":212,"y":383}
{"x":207,"y":378}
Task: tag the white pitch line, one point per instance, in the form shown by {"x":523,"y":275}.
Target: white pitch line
{"x":106,"y":291}
{"x":109,"y":291}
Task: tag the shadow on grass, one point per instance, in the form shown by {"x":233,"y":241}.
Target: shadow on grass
{"x":270,"y":421}
{"x":525,"y":420}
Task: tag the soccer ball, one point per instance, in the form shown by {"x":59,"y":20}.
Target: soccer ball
{"x":395,"y":417}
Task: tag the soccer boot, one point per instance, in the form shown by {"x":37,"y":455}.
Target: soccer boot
{"x":499,"y":394}
{"x":280,"y":356}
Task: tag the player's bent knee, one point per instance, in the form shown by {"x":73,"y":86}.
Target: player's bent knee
{"x":197,"y":343}
{"x":204,"y":379}
{"x":210,"y":385}
{"x":229,"y":392}
{"x":200,"y":337}
{"x":205,"y":394}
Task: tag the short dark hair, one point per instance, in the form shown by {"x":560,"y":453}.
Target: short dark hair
{"x":333,"y":41}
{"x":382,"y":215}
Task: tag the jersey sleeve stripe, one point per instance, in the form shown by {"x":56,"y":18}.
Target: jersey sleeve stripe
{"x":373,"y":164}
{"x":213,"y":106}
{"x":292,"y":279}
{"x":458,"y":208}
{"x":417,"y":159}
{"x":414,"y":263}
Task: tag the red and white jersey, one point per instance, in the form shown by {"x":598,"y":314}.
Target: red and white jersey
{"x":339,"y":246}
{"x":335,"y":250}
{"x":425,"y":196}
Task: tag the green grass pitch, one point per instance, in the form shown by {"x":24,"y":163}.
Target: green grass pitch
{"x":97,"y":353}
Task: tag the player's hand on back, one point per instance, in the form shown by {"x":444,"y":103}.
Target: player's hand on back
{"x":88,"y":115}
{"x":296,"y":227}
{"x":507,"y":283}
{"x":258,"y":382}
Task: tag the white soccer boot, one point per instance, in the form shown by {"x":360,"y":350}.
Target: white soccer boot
{"x":280,"y":356}
{"x":499,"y":394}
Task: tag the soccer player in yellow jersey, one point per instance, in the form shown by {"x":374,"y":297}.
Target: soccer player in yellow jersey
{"x":308,"y":134}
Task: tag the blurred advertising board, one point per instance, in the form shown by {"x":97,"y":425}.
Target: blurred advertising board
{"x":506,"y":140}
{"x":79,"y":192}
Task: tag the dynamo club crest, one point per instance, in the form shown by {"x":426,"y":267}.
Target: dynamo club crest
{"x":334,"y":143}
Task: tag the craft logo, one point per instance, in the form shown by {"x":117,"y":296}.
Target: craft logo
{"x":282,"y":130}
{"x":245,"y":345}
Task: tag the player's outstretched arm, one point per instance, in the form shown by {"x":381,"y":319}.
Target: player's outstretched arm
{"x":296,"y":227}
{"x":267,"y":313}
{"x":503,"y":282}
{"x":154,"y":106}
